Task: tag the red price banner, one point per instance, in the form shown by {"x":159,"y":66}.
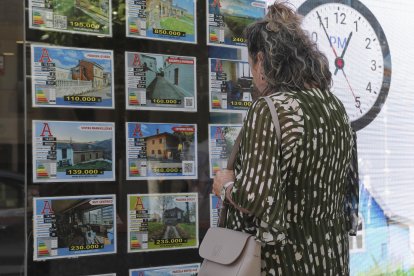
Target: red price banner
{"x":176,"y":60}
{"x":183,"y":129}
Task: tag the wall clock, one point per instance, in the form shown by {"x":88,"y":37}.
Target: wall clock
{"x":358,"y":53}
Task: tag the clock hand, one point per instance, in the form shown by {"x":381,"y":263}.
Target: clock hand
{"x":336,"y":55}
{"x":350,"y":87}
{"x":339,"y":62}
{"x":326,"y":33}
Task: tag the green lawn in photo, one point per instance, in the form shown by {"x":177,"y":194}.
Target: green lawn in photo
{"x":237,"y":24}
{"x":64,"y":7}
{"x":189,"y":228}
{"x":387,"y":268}
{"x":99,"y":164}
{"x":95,"y":8}
{"x":386,"y":272}
{"x":183,"y":24}
{"x":155,"y":230}
{"x":67,"y":8}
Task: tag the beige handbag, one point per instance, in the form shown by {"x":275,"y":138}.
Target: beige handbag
{"x":227,"y":252}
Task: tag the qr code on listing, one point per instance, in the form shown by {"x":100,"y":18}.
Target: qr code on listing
{"x":188,"y":167}
{"x":189,"y":102}
{"x":60,"y":21}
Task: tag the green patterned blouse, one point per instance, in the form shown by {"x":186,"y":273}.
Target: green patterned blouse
{"x":303,"y":194}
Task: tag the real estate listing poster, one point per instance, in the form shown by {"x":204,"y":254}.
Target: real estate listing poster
{"x":73,"y":151}
{"x":215,"y":206}
{"x":171,"y":20}
{"x":221,"y":142}
{"x":72,"y":77}
{"x":89,"y":17}
{"x":73,"y":226}
{"x":178,"y":270}
{"x":162,"y":222}
{"x":161,"y":151}
{"x":227,"y":19}
{"x":230,"y":85}
{"x":160,"y":82}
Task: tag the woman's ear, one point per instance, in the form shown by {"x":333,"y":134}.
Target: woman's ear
{"x":260,"y":57}
{"x":260,"y":63}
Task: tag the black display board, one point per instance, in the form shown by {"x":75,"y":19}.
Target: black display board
{"x":119,"y":43}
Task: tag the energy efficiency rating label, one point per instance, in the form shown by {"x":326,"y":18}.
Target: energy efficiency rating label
{"x":73,"y":151}
{"x":227,"y":19}
{"x":171,"y":20}
{"x":160,"y":82}
{"x":161,"y":151}
{"x":215,"y":206}
{"x":230,"y":86}
{"x":90,"y":17}
{"x":73,"y":226}
{"x":72,"y":77}
{"x":220,"y":144}
{"x":162,"y":222}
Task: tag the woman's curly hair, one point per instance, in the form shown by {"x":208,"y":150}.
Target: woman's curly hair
{"x":291,"y":60}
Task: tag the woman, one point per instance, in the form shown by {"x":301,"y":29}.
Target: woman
{"x":302,"y":193}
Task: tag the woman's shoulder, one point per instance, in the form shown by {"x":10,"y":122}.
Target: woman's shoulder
{"x":281,"y":96}
{"x":286,"y":100}
{"x":305,"y":97}
{"x":257,"y":107}
{"x":292,"y":100}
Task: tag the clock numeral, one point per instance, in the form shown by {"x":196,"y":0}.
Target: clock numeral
{"x":356,"y":26}
{"x":340,"y":17}
{"x":369,"y":87}
{"x":374,"y":65}
{"x":357,"y":102}
{"x":314,"y":37}
{"x":368,"y":40}
{"x":321,"y":23}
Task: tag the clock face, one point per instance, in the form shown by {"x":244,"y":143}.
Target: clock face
{"x":358,"y":55}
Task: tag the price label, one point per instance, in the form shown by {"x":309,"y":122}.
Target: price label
{"x":84,"y":171}
{"x":82,"y":99}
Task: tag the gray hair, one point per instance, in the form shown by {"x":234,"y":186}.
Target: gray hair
{"x":292,"y":60}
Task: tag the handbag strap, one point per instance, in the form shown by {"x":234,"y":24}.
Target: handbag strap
{"x":275,"y":119}
{"x":234,"y":151}
{"x":232,"y":159}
